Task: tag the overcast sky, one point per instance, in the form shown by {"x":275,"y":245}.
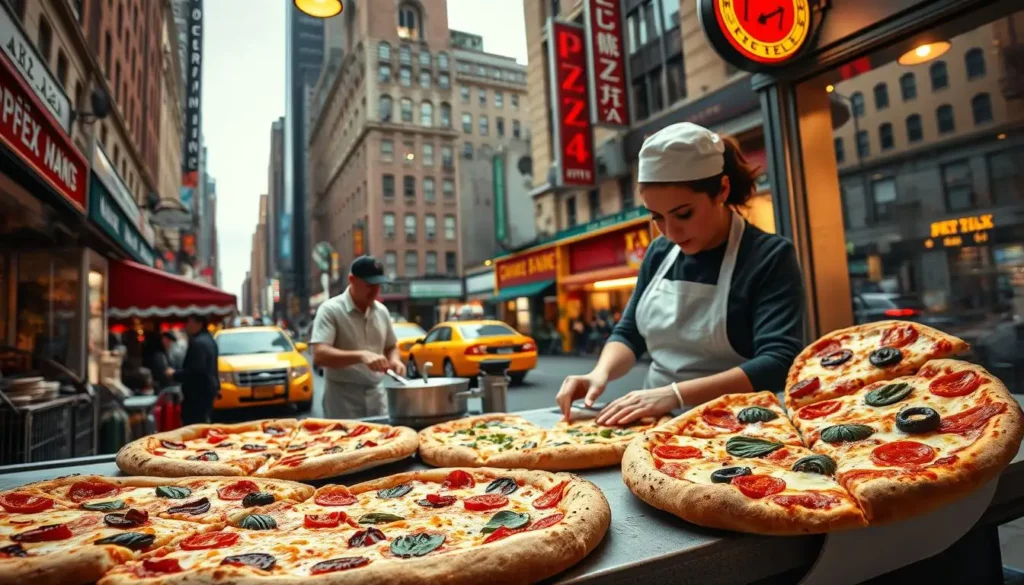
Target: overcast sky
{"x":243,"y":93}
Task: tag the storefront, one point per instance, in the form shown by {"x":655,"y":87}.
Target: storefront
{"x":480,"y":302}
{"x":113,"y":209}
{"x":430,"y":301}
{"x":524,"y":288}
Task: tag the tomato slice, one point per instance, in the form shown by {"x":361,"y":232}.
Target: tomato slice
{"x":21,"y":503}
{"x":899,"y":336}
{"x":758,"y":486}
{"x":903,"y":453}
{"x":485,"y":502}
{"x":500,"y":533}
{"x":805,"y":387}
{"x":237,"y":490}
{"x":48,"y":533}
{"x":956,"y":384}
{"x":360,"y":430}
{"x":819,"y":409}
{"x":971,"y":419}
{"x":458,"y":479}
{"x":810,"y":500}
{"x":778,"y":455}
{"x":826,"y":347}
{"x":721,"y":418}
{"x":439,"y":500}
{"x":550,"y":498}
{"x":209,"y":540}
{"x":677,"y":452}
{"x":337,"y":495}
{"x":159,"y":566}
{"x":86,"y":490}
{"x":314,"y":428}
{"x":213,"y":436}
{"x":331,"y":520}
{"x":547,"y":521}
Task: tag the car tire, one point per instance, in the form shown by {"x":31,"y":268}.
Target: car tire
{"x":449,"y":369}
{"x":304,"y":406}
{"x":517,"y":377}
{"x":410,"y":369}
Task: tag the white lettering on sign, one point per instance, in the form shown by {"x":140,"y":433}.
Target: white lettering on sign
{"x":18,"y":117}
{"x":193,"y":95}
{"x":32,"y":67}
{"x":609,"y":93}
{"x":109,"y":215}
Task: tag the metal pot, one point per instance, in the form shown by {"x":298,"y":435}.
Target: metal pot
{"x":422,"y":403}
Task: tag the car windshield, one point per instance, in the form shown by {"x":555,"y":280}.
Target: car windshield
{"x":252,"y":342}
{"x":485,"y":330}
{"x":404,"y":330}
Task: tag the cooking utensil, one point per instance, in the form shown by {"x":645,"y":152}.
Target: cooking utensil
{"x":394,"y":375}
{"x":419,"y":404}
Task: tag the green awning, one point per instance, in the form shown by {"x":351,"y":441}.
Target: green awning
{"x":523,"y":290}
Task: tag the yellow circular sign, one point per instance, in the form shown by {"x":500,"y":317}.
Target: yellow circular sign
{"x":765,"y":31}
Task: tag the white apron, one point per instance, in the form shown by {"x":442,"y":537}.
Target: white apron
{"x":349,"y":401}
{"x":684,"y":323}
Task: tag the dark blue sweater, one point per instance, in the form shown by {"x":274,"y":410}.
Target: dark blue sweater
{"x":766,"y":302}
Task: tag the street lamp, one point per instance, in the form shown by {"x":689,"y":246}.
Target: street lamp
{"x":319,"y":8}
{"x":924,"y":53}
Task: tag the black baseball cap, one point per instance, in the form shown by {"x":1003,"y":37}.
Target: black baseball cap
{"x":369,"y":270}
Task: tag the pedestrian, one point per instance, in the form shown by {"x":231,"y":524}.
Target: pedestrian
{"x":718,"y":303}
{"x":198,"y":373}
{"x":169,"y":358}
{"x":354,"y":343}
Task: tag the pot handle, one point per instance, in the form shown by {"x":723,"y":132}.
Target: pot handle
{"x":468,"y":394}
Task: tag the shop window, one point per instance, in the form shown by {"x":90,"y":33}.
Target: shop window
{"x":388,"y":220}
{"x":981,"y":107}
{"x":387,"y":150}
{"x":467,"y":123}
{"x":465,"y":94}
{"x":412,"y":263}
{"x":384,"y":51}
{"x":883,"y":196}
{"x":675,"y":73}
{"x":974,"y":60}
{"x":429,"y":190}
{"x":449,"y":264}
{"x":939,"y":75}
{"x":594,"y":204}
{"x":915,"y":132}
{"x":449,"y":228}
{"x":428,"y":155}
{"x":48,"y":305}
{"x":384,"y":108}
{"x":516,"y":132}
{"x":570,"y":211}
{"x":391,"y":264}
{"x":431,"y":263}
{"x":410,"y":227}
{"x":484,"y":127}
{"x":426,"y":114}
{"x":1006,"y":173}
{"x":958,"y":186}
{"x":409,"y":187}
{"x":944,"y":116}
{"x":430,"y":226}
{"x":857,"y":102}
{"x":881,"y":96}
{"x":405,"y":76}
{"x":885,"y":137}
{"x":384,"y":73}
{"x":863,"y":144}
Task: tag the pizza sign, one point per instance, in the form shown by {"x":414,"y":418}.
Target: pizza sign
{"x":757,"y":34}
{"x":607,"y":62}
{"x":574,"y":141}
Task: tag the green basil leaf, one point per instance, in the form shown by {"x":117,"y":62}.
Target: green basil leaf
{"x":173,"y":492}
{"x":846,"y":433}
{"x":750,"y":447}
{"x":258,"y":522}
{"x":756,"y":414}
{"x":820,"y":464}
{"x":129,"y":540}
{"x":394,"y":492}
{"x":379,"y":518}
{"x":416,"y":545}
{"x":506,"y":518}
{"x":606,"y":433}
{"x":888,"y":394}
{"x":108,"y":506}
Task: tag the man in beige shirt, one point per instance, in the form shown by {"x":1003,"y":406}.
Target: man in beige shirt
{"x":353,"y":341}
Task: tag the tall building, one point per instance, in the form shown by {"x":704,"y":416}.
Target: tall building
{"x":304,"y":39}
{"x":258,"y":279}
{"x":279,"y":241}
{"x":172,"y":124}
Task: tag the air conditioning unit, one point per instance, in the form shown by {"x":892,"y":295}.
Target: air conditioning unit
{"x":610,"y":160}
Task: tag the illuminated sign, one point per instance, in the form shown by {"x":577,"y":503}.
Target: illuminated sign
{"x":755,"y":34}
{"x":608,"y":96}
{"x":953,"y":233}
{"x":526,"y":269}
{"x":636,"y":246}
{"x":574,"y":141}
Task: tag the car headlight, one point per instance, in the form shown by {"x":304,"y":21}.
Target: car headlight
{"x":298,"y":371}
{"x":226,"y":377}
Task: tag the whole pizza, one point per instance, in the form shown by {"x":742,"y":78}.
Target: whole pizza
{"x":442,"y":526}
{"x":508,"y":440}
{"x":281,"y":448}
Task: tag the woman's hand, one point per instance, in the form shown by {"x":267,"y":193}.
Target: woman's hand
{"x":636,"y":405}
{"x":588,"y":387}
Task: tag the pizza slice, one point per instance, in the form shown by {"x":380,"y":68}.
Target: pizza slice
{"x":755,"y":414}
{"x":475,"y":440}
{"x":846,"y":360}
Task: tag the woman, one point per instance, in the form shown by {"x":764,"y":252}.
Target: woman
{"x":718,"y":303}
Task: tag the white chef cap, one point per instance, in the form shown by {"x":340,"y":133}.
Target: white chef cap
{"x":681,"y":152}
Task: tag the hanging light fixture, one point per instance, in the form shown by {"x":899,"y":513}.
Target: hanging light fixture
{"x":319,"y":8}
{"x":924,"y":52}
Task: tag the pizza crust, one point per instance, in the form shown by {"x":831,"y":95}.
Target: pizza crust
{"x":85,"y":564}
{"x":323,"y":466}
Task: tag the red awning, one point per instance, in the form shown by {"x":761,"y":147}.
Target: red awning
{"x":141,"y":291}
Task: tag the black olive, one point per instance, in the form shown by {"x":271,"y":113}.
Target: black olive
{"x":129,"y":519}
{"x":13,"y":551}
{"x":836,"y":358}
{"x":885,"y":357}
{"x":502,"y":485}
{"x":257,"y":499}
{"x":261,"y":561}
{"x":726,"y":474}
{"x":917,"y":419}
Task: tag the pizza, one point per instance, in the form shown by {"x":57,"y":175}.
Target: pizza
{"x":75,"y":529}
{"x":846,"y":360}
{"x":280,"y":448}
{"x":510,"y":441}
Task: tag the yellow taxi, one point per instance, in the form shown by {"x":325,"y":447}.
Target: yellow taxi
{"x":456,"y":348}
{"x":407,"y":333}
{"x":260,"y":366}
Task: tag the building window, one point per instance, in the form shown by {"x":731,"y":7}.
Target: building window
{"x":447,"y":158}
{"x":908,"y":86}
{"x":106,"y":54}
{"x":944,"y":115}
{"x":412,"y":264}
{"x":1006,"y":172}
{"x":446,"y":115}
{"x":515,"y":129}
{"x":657,"y":99}
{"x":409,"y":187}
{"x":676,"y":74}
{"x":410,"y":226}
{"x":425,"y":60}
{"x":442,"y":61}
{"x":499,"y":126}
{"x":388,"y":186}
{"x":425,"y":79}
{"x":883,"y":195}
{"x":449,"y":228}
{"x":428,"y":155}
{"x":594,"y":203}
{"x":117,"y":81}
{"x":857,"y":100}
{"x":385,"y":108}
{"x":406,"y":105}
{"x":640,"y":99}
{"x":863,"y":144}
{"x":840,"y":152}
{"x":429,"y":192}
{"x":670,"y":10}
{"x":981,"y":106}
{"x":939,"y":75}
{"x":975,"y":63}
{"x":449,"y":263}
{"x":389,"y":225}
{"x":881,"y":96}
{"x":405,"y":76}
{"x":570,"y":211}
{"x":384,"y":73}
{"x":387,"y":150}
{"x":467,"y":150}
{"x":430,"y":226}
{"x":958,"y":186}
{"x":482,"y":96}
{"x":467,"y":123}
{"x":443,"y":81}
{"x":499,"y":99}
{"x":426,"y":114}
{"x":483,"y":125}
{"x":62,"y":68}
{"x":515,"y":101}
{"x":409,"y":22}
{"x":465,"y":94}
{"x":384,"y":51}
{"x":448,"y":188}
{"x":45,"y":42}
{"x":404,"y":55}
{"x":391,"y":264}
{"x":915,"y":132}
{"x":885,"y":136}
{"x":431,"y":263}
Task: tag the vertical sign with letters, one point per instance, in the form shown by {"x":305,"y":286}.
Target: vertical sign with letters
{"x":607,"y":61}
{"x":193,"y":104}
{"x":574,"y":140}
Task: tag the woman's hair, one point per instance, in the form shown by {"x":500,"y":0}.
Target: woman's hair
{"x":742,"y":176}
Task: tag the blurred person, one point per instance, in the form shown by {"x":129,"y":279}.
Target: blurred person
{"x":198,"y":372}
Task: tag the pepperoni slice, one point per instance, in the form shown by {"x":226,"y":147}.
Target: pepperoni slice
{"x":971,"y":419}
{"x":485,"y":502}
{"x":671,"y":469}
{"x":956,"y":384}
{"x":778,"y":455}
{"x":237,"y":490}
{"x":458,"y":479}
{"x":360,"y":430}
{"x":335,"y":496}
{"x":547,"y":521}
{"x":825,"y":347}
{"x":805,"y":387}
{"x":810,"y":500}
{"x":903,"y":453}
{"x":721,"y":418}
{"x":87,"y":490}
{"x":899,"y":336}
{"x":48,"y":533}
{"x":209,"y":540}
{"x":19,"y":503}
{"x":315,"y":428}
{"x":330,"y":520}
{"x":151,"y":567}
{"x":500,"y":533}
{"x":943,"y":347}
{"x":550,"y":498}
{"x":758,"y":486}
{"x":677,"y":452}
{"x":213,"y":436}
{"x":819,"y":409}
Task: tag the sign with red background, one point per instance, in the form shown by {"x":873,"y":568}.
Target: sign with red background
{"x":28,"y":129}
{"x":608,"y":98}
{"x":527,"y":268}
{"x":625,"y":247}
{"x":574,"y":140}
